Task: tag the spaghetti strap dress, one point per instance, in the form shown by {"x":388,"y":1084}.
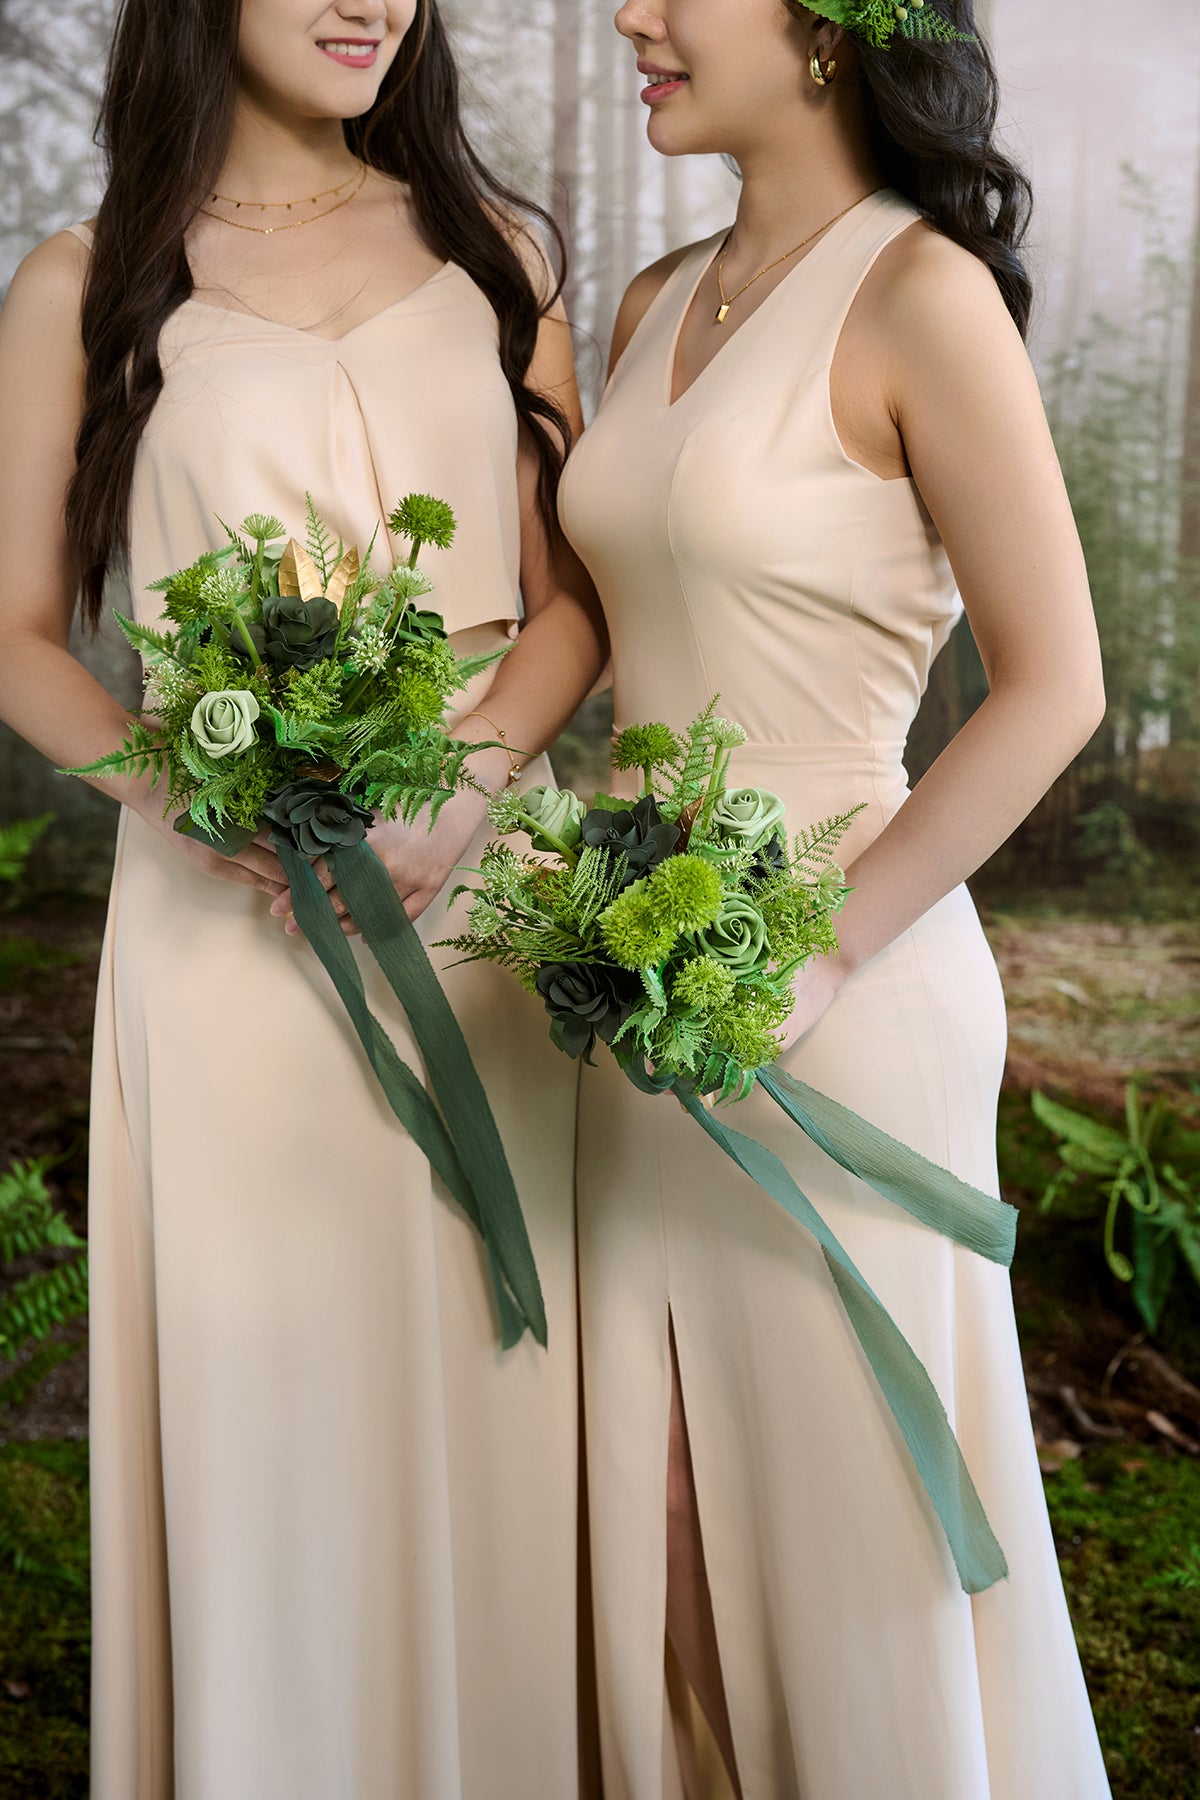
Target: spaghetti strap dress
{"x":334,"y":1524}
{"x":738,"y":549}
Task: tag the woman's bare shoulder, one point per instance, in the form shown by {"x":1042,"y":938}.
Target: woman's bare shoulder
{"x":47,"y":285}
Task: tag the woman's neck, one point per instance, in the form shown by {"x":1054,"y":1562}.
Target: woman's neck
{"x":274,"y":159}
{"x":795,"y":184}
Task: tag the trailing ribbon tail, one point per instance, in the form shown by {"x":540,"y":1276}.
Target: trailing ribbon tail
{"x":404,"y":1093}
{"x":905,"y":1382}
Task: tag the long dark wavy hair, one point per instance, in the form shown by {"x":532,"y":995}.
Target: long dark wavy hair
{"x":164,"y":125}
{"x":931,"y":119}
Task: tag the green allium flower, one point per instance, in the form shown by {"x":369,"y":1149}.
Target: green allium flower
{"x":646,"y":747}
{"x":167,"y":688}
{"x":504,"y":811}
{"x":263,"y":527}
{"x":634,"y":931}
{"x":371,"y":649}
{"x":829,"y":889}
{"x":424,"y":520}
{"x":402,"y":584}
{"x":726,"y":734}
{"x":221,"y":590}
{"x":685,"y":892}
{"x":223,"y":723}
{"x":483,"y":919}
{"x":501,"y":870}
{"x":703,"y":985}
{"x":738,"y":938}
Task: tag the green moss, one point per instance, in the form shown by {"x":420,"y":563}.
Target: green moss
{"x":45,"y":1629}
{"x":1127,"y":1523}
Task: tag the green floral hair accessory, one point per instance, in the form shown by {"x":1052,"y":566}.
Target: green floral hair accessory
{"x":877,"y":22}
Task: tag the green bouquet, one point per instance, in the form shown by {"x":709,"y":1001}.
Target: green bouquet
{"x":295,"y":690}
{"x":669,"y":928}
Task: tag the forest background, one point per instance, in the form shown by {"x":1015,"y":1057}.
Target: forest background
{"x":1092,"y":908}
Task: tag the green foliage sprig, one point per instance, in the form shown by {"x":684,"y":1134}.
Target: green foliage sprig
{"x":1152,"y":1168}
{"x":45,"y":1299}
{"x":671,"y":927}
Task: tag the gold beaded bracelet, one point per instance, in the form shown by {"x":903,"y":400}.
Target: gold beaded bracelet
{"x":514,"y":767}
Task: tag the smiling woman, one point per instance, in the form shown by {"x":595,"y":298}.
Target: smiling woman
{"x":334,"y":1528}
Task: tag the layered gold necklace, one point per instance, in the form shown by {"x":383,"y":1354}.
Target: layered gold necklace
{"x":352,"y":182}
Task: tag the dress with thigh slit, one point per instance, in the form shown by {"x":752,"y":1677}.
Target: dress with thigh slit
{"x":334,"y":1525}
{"x":738,"y":549}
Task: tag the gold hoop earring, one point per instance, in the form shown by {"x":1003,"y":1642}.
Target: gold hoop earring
{"x":822,"y":76}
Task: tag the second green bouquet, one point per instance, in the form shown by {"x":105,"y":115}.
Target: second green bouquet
{"x":670,"y":928}
{"x":296,"y":691}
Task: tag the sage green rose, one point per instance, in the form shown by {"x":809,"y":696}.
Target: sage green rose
{"x":748,"y":815}
{"x":559,"y":812}
{"x":223,"y":723}
{"x":737,"y":938}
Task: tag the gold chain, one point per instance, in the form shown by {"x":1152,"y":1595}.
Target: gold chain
{"x":312,"y":199}
{"x":727,"y":300}
{"x":291,"y":224}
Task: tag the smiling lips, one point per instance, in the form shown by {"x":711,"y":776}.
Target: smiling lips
{"x":352,"y":53}
{"x":661,"y":83}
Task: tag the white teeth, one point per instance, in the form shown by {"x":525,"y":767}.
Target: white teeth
{"x":350,"y":49}
{"x":658,"y":80}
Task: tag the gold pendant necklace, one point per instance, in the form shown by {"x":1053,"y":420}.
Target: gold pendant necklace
{"x":289,"y":224}
{"x":727,"y":300}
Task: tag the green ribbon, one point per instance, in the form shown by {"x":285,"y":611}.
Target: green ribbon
{"x":462,"y":1143}
{"x":937,"y":1198}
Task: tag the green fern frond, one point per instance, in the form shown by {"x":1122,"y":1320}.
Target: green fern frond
{"x":141,"y":753}
{"x":42,"y":1302}
{"x":320,"y":543}
{"x":16,"y":842}
{"x":813,"y":847}
{"x":146,"y":641}
{"x":17,"y":1387}
{"x":29,"y":1220}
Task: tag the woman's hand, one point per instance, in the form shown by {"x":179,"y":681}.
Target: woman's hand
{"x":815,"y":986}
{"x":256,"y":866}
{"x":420,"y":861}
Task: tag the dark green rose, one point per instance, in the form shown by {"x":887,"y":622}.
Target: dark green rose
{"x":737,"y":938}
{"x":316,"y":817}
{"x":640,"y":834}
{"x":298,"y":633}
{"x":585,"y":1001}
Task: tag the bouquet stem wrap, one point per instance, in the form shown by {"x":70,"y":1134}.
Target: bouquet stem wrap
{"x":938,"y":1199}
{"x":461,"y":1141}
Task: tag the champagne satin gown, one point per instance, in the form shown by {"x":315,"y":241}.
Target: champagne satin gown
{"x":334,"y":1525}
{"x":737,"y":548}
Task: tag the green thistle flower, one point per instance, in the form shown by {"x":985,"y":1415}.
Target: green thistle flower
{"x":370,"y":650}
{"x":634,"y":930}
{"x":685,"y":892}
{"x":263,"y":527}
{"x":483,"y":919}
{"x":424,"y":520}
{"x":646,"y":747}
{"x":505,"y":811}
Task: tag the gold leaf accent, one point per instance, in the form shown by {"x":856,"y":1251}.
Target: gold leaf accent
{"x":299,"y":576}
{"x":342,"y":576}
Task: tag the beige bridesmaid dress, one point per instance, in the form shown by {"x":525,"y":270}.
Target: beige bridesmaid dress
{"x":334,"y":1525}
{"x":737,"y":548}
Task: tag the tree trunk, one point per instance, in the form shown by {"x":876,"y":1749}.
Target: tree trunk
{"x":1186,"y":653}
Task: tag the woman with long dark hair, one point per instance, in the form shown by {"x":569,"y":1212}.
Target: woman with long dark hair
{"x":334,"y":1526}
{"x":820,"y":426}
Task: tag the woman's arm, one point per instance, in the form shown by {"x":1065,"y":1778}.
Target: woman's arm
{"x":958,"y":384}
{"x":45,"y":693}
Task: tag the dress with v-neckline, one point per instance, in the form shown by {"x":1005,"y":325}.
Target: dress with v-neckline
{"x":706,"y":246}
{"x":372,"y":318}
{"x":737,"y":549}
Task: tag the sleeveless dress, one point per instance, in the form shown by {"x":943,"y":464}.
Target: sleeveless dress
{"x":737,"y":548}
{"x":334,"y":1525}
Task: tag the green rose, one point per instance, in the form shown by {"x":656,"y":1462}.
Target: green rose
{"x":737,"y":939}
{"x":558,"y":811}
{"x":223,"y":723}
{"x":749,"y":815}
